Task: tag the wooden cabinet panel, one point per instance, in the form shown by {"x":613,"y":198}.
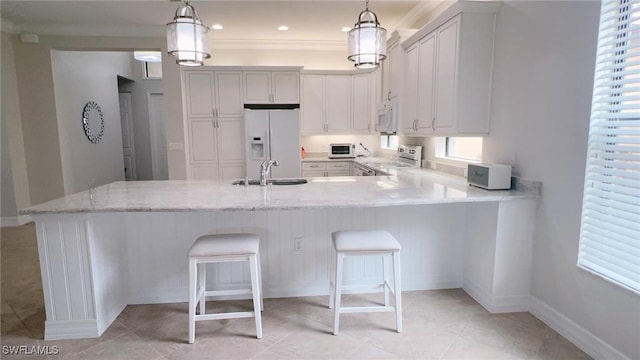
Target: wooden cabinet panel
{"x":410,"y":92}
{"x":199,"y":94}
{"x":446,"y":76}
{"x":204,"y":172}
{"x":312,"y":105}
{"x":232,"y":171}
{"x":285,"y":87}
{"x":203,"y":140}
{"x":229,"y":94}
{"x":361,"y":97}
{"x":426,"y":74}
{"x":338,"y":102}
{"x":257,"y":87}
{"x":231,"y":140}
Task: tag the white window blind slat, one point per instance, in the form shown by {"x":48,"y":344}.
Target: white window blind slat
{"x":618,"y":241}
{"x":610,"y":228}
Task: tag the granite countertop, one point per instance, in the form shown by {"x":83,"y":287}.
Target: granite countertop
{"x":405,"y":187}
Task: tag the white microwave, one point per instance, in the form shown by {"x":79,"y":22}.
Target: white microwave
{"x":387,"y":120}
{"x":343,"y":150}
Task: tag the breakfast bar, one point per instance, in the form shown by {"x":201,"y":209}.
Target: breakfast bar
{"x":126,"y":242}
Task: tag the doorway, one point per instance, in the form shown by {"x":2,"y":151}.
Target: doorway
{"x":159,"y":161}
{"x":128,"y":145}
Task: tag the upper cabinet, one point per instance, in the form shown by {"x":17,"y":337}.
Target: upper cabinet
{"x":335,"y":103}
{"x":447,"y":73}
{"x":210,"y":94}
{"x":271,"y":87}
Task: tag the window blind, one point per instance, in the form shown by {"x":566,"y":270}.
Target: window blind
{"x":610,"y":229}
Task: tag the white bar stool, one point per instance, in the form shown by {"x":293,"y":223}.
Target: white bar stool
{"x":223,"y":248}
{"x":365,"y":243}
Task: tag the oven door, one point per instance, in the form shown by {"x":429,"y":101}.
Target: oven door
{"x":364,"y":171}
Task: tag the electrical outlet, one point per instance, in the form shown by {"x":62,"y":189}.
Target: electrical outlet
{"x":297,"y":244}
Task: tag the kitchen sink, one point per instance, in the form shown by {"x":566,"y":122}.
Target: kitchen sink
{"x":272,"y":182}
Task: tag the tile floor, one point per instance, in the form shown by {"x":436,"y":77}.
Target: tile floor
{"x":440,"y":324}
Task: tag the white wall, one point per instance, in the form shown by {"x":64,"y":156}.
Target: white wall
{"x":140,"y":90}
{"x":15,"y":186}
{"x":541,"y":100}
{"x":80,"y":77}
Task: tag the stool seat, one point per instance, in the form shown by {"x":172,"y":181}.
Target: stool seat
{"x":366,"y":240}
{"x":222,"y":248}
{"x":225,"y":244}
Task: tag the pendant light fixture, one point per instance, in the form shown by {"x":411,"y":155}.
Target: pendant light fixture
{"x":188,"y":37}
{"x":367,"y":41}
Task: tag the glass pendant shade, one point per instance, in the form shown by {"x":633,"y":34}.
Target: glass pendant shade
{"x":367,"y":41}
{"x":188,"y":38}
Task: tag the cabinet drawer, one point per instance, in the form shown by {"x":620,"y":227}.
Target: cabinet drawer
{"x":314,"y":166}
{"x":343,"y":165}
{"x":338,"y":173}
{"x":313,"y":173}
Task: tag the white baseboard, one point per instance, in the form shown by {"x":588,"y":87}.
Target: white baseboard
{"x":15,"y":221}
{"x":579,"y":336}
{"x":70,"y":329}
{"x":498,"y":304}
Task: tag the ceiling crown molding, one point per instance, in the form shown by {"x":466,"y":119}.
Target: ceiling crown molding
{"x":418,"y":12}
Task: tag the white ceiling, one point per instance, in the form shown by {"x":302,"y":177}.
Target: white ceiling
{"x":253,"y":22}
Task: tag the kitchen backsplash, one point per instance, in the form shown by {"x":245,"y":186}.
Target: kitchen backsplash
{"x":320,"y":143}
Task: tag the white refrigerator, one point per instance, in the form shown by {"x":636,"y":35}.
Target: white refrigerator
{"x":272,"y":134}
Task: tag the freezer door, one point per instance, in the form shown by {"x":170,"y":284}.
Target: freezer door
{"x":256,"y":130}
{"x":285,"y":143}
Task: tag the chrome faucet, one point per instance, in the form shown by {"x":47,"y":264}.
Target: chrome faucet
{"x":265,"y":168}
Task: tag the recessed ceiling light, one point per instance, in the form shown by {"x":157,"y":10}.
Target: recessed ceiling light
{"x":217,"y":27}
{"x":346,"y":29}
{"x":283,"y":28}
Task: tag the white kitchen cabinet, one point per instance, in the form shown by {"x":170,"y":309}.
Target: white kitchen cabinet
{"x":339,"y":104}
{"x":209,"y":94}
{"x":214,"y":144}
{"x":362,"y":89}
{"x":214,"y":113}
{"x":266,"y":87}
{"x":447,"y":75}
{"x":326,"y":168}
{"x":312,"y":104}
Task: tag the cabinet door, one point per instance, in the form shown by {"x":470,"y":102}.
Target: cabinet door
{"x":361,"y":99}
{"x":312,"y":173}
{"x":204,"y":172}
{"x":312,"y":105}
{"x":426,"y":73}
{"x":203,"y":141}
{"x":199,"y":96}
{"x":285,"y":87}
{"x":230,"y":140}
{"x":229,"y":91}
{"x":257,"y":87}
{"x":232,"y":171}
{"x":395,"y":68}
{"x":338,"y":103}
{"x":446,"y":76}
{"x":410,"y":92}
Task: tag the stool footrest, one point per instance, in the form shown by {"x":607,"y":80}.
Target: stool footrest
{"x":231,"y":315}
{"x":227,"y":292}
{"x":361,"y":309}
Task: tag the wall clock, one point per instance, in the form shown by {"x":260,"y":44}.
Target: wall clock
{"x":93,"y":122}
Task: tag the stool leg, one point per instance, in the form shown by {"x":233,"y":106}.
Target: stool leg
{"x":193,"y":288}
{"x":397,"y":289}
{"x":202,"y":282}
{"x":338,"y":292}
{"x":385,"y":278}
{"x":255,"y":289}
{"x":332,"y":278}
{"x":260,"y":282}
